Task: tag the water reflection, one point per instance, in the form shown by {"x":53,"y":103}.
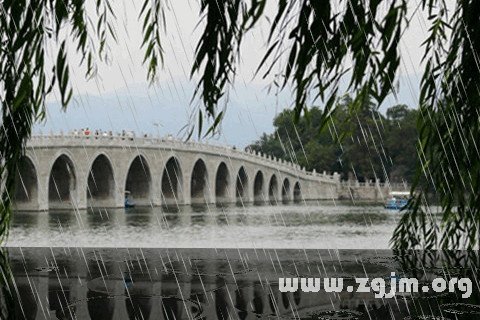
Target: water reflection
{"x":198,"y":220}
{"x":171,"y":220}
{"x":100,"y":218}
{"x":27,"y":298}
{"x":257,"y":301}
{"x":171,"y":209}
{"x":139,"y":305}
{"x":138,"y":218}
{"x":60,"y":219}
{"x":207,"y":284}
{"x":60,"y":297}
{"x":26,"y":220}
{"x":100,"y":305}
{"x":312,"y":225}
{"x":222,"y":220}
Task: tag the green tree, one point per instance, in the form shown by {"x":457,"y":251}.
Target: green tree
{"x":369,"y":147}
{"x":397,"y":113}
{"x":316,"y":45}
{"x":401,"y":142}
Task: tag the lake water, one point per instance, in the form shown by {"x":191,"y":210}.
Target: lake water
{"x":311,"y":225}
{"x":214,"y":263}
{"x":224,"y":284}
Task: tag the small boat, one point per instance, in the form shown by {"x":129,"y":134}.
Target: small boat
{"x":129,"y":202}
{"x":398,"y":200}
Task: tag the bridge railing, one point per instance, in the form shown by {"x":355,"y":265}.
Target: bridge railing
{"x":391,"y":185}
{"x":176,"y":144}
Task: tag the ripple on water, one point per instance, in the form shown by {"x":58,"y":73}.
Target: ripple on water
{"x":321,"y":225}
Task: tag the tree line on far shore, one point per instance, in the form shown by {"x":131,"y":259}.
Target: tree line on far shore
{"x":359,"y":142}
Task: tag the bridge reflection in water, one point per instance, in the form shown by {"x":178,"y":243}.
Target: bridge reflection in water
{"x":76,"y":283}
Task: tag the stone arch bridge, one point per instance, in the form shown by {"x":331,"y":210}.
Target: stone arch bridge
{"x":77,"y":172}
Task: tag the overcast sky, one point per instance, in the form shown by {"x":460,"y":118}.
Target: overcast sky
{"x":120,"y":98}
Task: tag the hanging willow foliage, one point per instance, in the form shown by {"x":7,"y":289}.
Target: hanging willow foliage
{"x":26,"y":29}
{"x":449,"y":132}
{"x":312,"y":46}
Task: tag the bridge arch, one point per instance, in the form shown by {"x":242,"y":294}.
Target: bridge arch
{"x":26,"y":184}
{"x":297,"y":192}
{"x":258,"y":185}
{"x":286,"y":190}
{"x":199,"y":182}
{"x":62,"y":182}
{"x":273,"y":189}
{"x":222,"y":183}
{"x":101,"y":182}
{"x":139,"y":180}
{"x":241,"y":185}
{"x":172,"y":182}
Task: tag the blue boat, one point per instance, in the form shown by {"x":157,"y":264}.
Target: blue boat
{"x":129,"y":202}
{"x":398,"y":200}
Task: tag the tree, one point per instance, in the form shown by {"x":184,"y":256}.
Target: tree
{"x":301,"y":142}
{"x":401,"y":142}
{"x":398,"y":112}
{"x":316,"y":45}
{"x":315,"y":42}
{"x":363,"y":150}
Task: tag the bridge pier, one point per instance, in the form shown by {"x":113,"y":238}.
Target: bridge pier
{"x":43,"y":179}
{"x":186,"y":189}
{"x":81,"y":194}
{"x":265,"y":186}
{"x":231,"y":188}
